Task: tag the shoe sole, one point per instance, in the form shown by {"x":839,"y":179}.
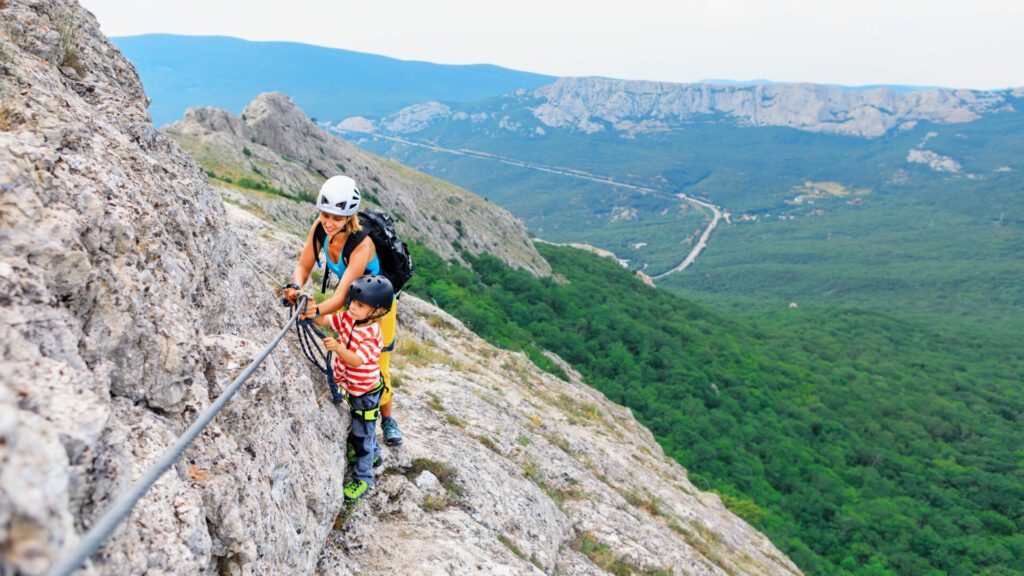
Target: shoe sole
{"x":394,"y":442}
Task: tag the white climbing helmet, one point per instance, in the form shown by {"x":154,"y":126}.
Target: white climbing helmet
{"x":339,"y":196}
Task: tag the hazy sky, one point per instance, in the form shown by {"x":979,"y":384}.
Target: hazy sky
{"x":959,"y":43}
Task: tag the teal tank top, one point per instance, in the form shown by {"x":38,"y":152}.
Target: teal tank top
{"x":373,"y":267}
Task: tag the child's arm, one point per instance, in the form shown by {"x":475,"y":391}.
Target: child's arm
{"x":349,"y":357}
{"x":322,"y":320}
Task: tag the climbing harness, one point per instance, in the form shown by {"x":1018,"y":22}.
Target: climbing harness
{"x":370,"y":414}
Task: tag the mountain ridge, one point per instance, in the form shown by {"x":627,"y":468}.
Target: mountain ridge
{"x":628,"y":107}
{"x":181,"y":72}
{"x":273,"y":144}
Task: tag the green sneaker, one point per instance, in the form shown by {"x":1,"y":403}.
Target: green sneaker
{"x":355,"y":490}
{"x":392,"y":435}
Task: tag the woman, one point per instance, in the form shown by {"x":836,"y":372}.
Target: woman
{"x":338,"y":203}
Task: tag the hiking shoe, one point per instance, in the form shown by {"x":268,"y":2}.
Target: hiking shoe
{"x":392,"y":435}
{"x":355,"y":490}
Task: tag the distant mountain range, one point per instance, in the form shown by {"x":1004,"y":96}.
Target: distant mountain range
{"x":180,"y":72}
{"x":630,"y":107}
{"x":900,"y":88}
{"x":842,"y":175}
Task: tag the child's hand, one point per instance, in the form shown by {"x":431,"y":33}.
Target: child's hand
{"x":331,"y":344}
{"x":311,"y":311}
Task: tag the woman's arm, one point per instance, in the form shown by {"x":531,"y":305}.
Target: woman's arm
{"x":356,"y":267}
{"x":303,"y":267}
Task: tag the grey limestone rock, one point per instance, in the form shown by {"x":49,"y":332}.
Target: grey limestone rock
{"x":416,"y":117}
{"x":126,"y":306}
{"x":539,"y":475}
{"x":629,"y":108}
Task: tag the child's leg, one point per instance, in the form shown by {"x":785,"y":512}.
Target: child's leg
{"x":363,"y":436}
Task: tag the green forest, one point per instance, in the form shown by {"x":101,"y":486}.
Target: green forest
{"x":860,"y":442}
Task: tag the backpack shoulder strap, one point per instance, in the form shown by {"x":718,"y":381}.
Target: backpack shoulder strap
{"x":351,"y":244}
{"x":319,"y":237}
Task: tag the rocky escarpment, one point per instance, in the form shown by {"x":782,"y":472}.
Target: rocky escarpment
{"x":509,"y":470}
{"x":126,"y":307}
{"x":811,"y":107}
{"x":273,"y":142}
{"x":633,"y":107}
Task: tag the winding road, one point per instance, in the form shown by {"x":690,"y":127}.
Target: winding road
{"x":702,"y":243}
{"x":571,"y":173}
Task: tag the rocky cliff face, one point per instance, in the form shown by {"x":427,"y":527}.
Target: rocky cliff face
{"x":126,"y":308}
{"x":128,"y":305}
{"x":274,"y":142}
{"x":633,"y":107}
{"x":810,"y":107}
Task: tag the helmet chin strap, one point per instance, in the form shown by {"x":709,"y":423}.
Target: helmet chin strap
{"x":371,"y":318}
{"x":368,"y":319}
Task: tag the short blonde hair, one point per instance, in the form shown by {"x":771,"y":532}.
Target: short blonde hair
{"x":353,"y":225}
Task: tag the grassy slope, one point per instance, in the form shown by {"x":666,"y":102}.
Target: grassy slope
{"x":898,"y":256}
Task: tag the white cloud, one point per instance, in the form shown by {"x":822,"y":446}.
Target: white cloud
{"x":923,"y":42}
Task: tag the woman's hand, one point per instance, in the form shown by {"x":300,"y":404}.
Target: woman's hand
{"x":291,"y":294}
{"x":331,"y":344}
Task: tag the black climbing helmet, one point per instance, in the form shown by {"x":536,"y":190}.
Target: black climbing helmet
{"x":372,"y":289}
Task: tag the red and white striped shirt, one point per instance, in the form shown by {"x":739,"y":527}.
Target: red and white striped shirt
{"x":366,"y":342}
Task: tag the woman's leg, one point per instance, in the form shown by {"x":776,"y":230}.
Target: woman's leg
{"x":392,"y":435}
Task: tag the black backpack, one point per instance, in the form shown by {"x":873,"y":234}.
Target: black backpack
{"x":395,"y":261}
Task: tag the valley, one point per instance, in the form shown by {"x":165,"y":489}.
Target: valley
{"x":690,"y":256}
{"x":820,"y":424}
{"x":702,"y":243}
{"x":892,"y":228}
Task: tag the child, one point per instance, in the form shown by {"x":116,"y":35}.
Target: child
{"x":357,"y":372}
